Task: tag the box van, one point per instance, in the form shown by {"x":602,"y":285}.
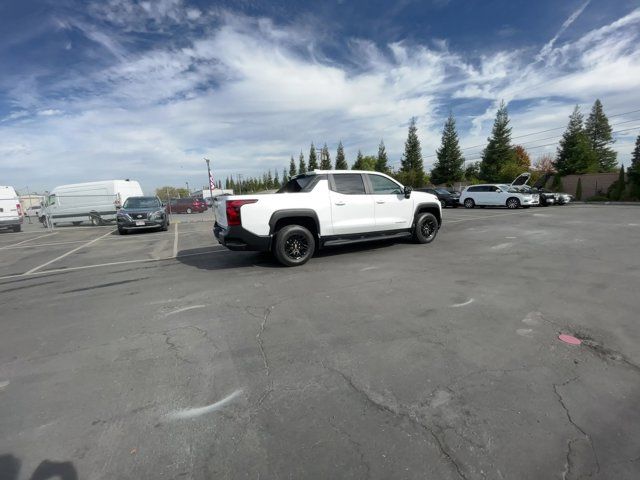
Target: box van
{"x":95,"y":202}
{"x":10,"y":210}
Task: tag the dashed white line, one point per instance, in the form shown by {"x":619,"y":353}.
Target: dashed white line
{"x":39,"y":267}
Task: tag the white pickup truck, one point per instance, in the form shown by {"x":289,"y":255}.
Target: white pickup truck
{"x":325,"y":208}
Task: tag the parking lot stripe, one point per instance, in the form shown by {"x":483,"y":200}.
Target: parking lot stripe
{"x":485,"y":216}
{"x":109,"y":264}
{"x":27,"y":240}
{"x":175,"y":242}
{"x":70,"y":242}
{"x":33,"y":270}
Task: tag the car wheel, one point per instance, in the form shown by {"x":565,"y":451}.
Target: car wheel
{"x":165,"y":226}
{"x":17,"y":228}
{"x":294,"y":245}
{"x":189,"y":210}
{"x":426,"y":228}
{"x":443,"y":204}
{"x":122,"y":231}
{"x":513,"y":203}
{"x":469,"y":203}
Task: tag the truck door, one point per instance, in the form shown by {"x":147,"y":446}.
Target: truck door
{"x":352,"y":210}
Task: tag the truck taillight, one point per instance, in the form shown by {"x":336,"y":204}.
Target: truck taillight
{"x":233,"y":210}
{"x":19,"y":208}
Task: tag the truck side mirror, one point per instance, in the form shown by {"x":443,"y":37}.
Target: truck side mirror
{"x":407,"y":192}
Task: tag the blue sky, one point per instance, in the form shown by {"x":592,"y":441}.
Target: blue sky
{"x":146,"y":89}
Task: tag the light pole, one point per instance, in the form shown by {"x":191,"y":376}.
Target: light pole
{"x":209,"y":178}
{"x":188,"y":191}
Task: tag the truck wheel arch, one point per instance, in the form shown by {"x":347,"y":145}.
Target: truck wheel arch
{"x":428,"y":207}
{"x":301,"y":216}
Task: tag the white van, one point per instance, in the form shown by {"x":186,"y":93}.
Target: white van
{"x":10,"y":210}
{"x":95,"y":202}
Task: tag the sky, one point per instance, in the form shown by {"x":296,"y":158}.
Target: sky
{"x":106,"y":89}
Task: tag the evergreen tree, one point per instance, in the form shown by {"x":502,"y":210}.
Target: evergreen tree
{"x":269,"y":182}
{"x":276,"y":179}
{"x":598,"y":131}
{"x":616,"y":190}
{"x":292,"y":168}
{"x":341,"y":163}
{"x":472,"y":172}
{"x":325,"y":158}
{"x":575,"y":154}
{"x":313,"y":160}
{"x":448,"y":166}
{"x":633,"y":172}
{"x":358,"y":165}
{"x":498,"y":151}
{"x":285,"y":178}
{"x":412,"y":169}
{"x":381,"y":161}
{"x":302,"y":167}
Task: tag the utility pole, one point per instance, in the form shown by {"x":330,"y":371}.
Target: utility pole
{"x":188,"y":191}
{"x":209,"y":178}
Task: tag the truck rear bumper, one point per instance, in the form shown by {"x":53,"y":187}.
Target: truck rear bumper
{"x":10,"y":222}
{"x":237,"y":238}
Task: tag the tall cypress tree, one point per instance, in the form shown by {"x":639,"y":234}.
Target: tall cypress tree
{"x":633,"y":172}
{"x":598,"y":131}
{"x":448,"y":167}
{"x":412,"y":168}
{"x":381,"y":160}
{"x":292,"y":168}
{"x":302,"y":167}
{"x":498,"y":151}
{"x":276,"y":179}
{"x":285,"y":178}
{"x":358,"y":164}
{"x":325,"y":158}
{"x":313,"y":160}
{"x":341,"y":162}
{"x":575,"y":154}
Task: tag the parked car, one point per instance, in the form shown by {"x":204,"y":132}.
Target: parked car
{"x":559,"y":198}
{"x":10,"y":210}
{"x":142,"y":213}
{"x":33,"y":211}
{"x":509,"y":196}
{"x":187,"y":205}
{"x":323,"y":208}
{"x":447,"y":198}
{"x":95,"y":202}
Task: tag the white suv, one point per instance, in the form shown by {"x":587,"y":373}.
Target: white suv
{"x":500,"y":195}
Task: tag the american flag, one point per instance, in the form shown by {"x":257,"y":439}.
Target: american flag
{"x":212,"y":183}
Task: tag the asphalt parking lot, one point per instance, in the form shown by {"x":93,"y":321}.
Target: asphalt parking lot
{"x":163,"y":355}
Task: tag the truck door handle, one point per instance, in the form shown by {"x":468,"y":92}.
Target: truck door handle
{"x":340,"y":203}
{"x":379,"y":202}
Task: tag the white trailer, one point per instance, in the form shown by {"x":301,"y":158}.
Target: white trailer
{"x":95,"y":202}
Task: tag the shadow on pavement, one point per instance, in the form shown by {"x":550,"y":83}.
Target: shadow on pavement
{"x":10,"y":469}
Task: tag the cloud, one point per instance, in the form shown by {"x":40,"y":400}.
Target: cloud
{"x":566,"y":24}
{"x":248,"y":93}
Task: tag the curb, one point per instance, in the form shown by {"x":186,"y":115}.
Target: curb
{"x":635,"y":204}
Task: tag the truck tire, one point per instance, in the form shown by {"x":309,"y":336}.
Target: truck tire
{"x":426,"y":228}
{"x":294,"y":245}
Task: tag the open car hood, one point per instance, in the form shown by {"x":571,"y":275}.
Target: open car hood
{"x":521,"y":179}
{"x":542,"y":181}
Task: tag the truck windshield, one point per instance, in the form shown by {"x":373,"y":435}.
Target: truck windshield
{"x":142,"y":202}
{"x":297,"y":184}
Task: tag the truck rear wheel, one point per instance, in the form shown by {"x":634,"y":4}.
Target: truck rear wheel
{"x":294,"y":245}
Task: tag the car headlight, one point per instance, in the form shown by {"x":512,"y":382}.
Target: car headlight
{"x":124,"y":215}
{"x":156,"y":215}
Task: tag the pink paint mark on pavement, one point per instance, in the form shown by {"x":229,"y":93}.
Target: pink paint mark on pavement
{"x":571,"y":340}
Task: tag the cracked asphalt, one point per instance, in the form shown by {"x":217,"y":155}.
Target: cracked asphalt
{"x":125,"y":359}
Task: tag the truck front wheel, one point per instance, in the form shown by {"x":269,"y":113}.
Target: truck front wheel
{"x":426,"y":228}
{"x":294,"y":245}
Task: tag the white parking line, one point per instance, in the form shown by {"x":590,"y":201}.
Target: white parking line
{"x":175,"y":241}
{"x":27,"y":240}
{"x":484,"y":216}
{"x":109,"y":264}
{"x":33,"y":270}
{"x":71,"y":242}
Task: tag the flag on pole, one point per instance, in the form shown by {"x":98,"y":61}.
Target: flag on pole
{"x":212,"y":183}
